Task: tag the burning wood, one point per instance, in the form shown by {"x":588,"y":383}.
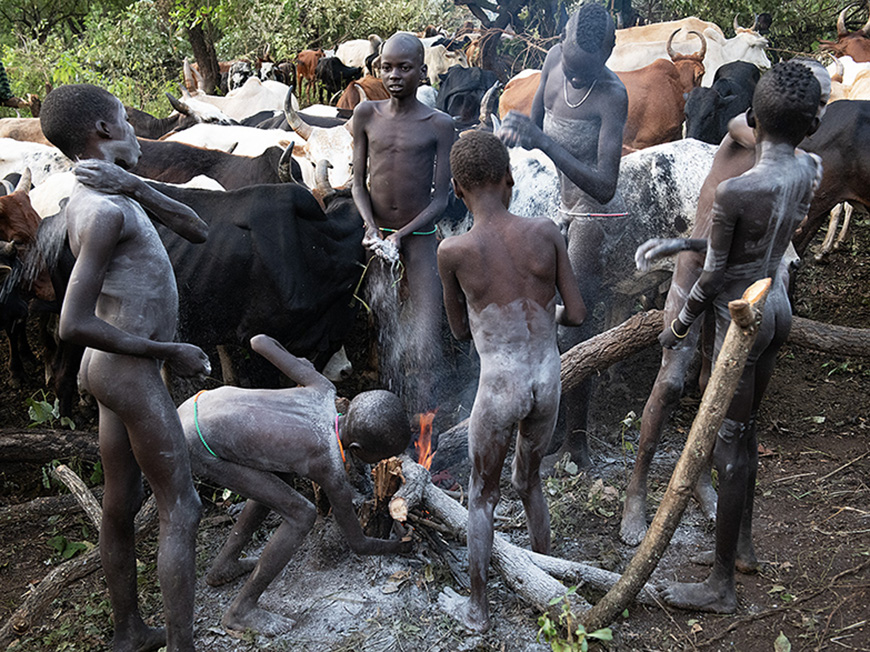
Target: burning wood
{"x":423,"y":445}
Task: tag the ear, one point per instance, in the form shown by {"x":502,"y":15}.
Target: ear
{"x":457,"y":189}
{"x":814,"y":125}
{"x":103,"y":129}
{"x":509,"y":178}
{"x":424,"y":71}
{"x":750,"y":118}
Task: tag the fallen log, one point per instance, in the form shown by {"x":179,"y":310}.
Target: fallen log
{"x":82,"y":494}
{"x":525,"y":572}
{"x":745,"y":317}
{"x":828,"y":338}
{"x":40,"y":446}
{"x":51,"y":586}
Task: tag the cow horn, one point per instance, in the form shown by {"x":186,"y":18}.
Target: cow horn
{"x":296,"y":123}
{"x":671,"y":52}
{"x":703,"y":51}
{"x":9,"y":249}
{"x":5,"y":271}
{"x":24,"y":181}
{"x":321,"y":178}
{"x":7,"y":186}
{"x":487,"y":103}
{"x":736,"y":24}
{"x":838,"y":75}
{"x":285,"y":165}
{"x":178,"y":105}
{"x":841,"y":23}
{"x":754,"y":23}
{"x":362,"y":93}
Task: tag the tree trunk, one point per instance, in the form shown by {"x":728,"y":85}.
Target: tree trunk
{"x":202,"y":44}
{"x":745,"y":317}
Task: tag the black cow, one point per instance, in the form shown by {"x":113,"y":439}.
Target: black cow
{"x":147,"y":126}
{"x":708,"y":110}
{"x":274,"y":262}
{"x":277,"y":120}
{"x":172,"y":162}
{"x":13,"y":312}
{"x":461,"y":91}
{"x":334,"y":75}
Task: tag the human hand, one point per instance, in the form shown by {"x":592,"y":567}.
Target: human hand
{"x":518,"y":129}
{"x":372,"y":237}
{"x":105,"y":177}
{"x":673,"y":335}
{"x":188,"y":360}
{"x":396,"y":240}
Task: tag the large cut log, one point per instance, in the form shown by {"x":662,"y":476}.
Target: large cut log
{"x":525,"y":572}
{"x":827,"y":338}
{"x":51,"y":586}
{"x":745,"y":317}
{"x":43,"y":446}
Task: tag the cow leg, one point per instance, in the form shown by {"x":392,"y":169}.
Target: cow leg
{"x":833,"y":221}
{"x":847,"y":223}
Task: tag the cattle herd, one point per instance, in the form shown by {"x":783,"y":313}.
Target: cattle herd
{"x":285,"y":251}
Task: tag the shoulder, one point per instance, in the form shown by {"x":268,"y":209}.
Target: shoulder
{"x":438,"y":118}
{"x":87,"y":205}
{"x":612,"y":84}
{"x":542,"y":227}
{"x":452,"y":249}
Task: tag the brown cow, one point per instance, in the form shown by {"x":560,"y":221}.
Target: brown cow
{"x":306,"y":64}
{"x":655,"y":96}
{"x":367,"y":88}
{"x":22,"y":129}
{"x":854,"y":44}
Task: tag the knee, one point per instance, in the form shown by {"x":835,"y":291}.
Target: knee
{"x":304,"y":517}
{"x":525,"y":483}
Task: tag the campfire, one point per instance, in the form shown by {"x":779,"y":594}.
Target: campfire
{"x":423,"y":445}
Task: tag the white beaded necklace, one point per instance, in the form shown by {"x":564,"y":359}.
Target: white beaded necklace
{"x":565,"y":88}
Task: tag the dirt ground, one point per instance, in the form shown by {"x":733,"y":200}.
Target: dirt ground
{"x":812,"y":527}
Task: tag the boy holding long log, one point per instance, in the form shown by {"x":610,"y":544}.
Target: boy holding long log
{"x":500,"y":281}
{"x":754,"y":218}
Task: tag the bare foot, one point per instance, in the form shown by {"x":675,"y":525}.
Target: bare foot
{"x":219,"y":575}
{"x":706,"y":497}
{"x":747,"y":563}
{"x":633,"y":528}
{"x":259,"y":620}
{"x":144,"y":639}
{"x":461,"y":609}
{"x":702,"y":596}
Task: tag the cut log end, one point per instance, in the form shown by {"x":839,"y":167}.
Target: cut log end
{"x":757,"y":290}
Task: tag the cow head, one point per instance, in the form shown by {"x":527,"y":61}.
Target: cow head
{"x":239,"y":73}
{"x":854,"y":44}
{"x":704,"y":106}
{"x":199,"y":111}
{"x":333,"y":144}
{"x":689,"y":66}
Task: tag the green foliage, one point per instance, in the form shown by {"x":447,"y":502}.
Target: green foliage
{"x":565,"y":634}
{"x":797,"y":25}
{"x":68,"y":549}
{"x":42,"y":412}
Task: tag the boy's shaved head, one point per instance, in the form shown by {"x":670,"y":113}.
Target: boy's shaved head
{"x":591,"y":27}
{"x":786,"y":100}
{"x":69,"y":114}
{"x":479,"y":158}
{"x":405,"y":39}
{"x":376,"y":420}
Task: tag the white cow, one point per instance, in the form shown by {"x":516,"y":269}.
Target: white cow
{"x":354,"y":53}
{"x":746,"y":45}
{"x":662,"y":31}
{"x":43,"y":160}
{"x":252,"y":97}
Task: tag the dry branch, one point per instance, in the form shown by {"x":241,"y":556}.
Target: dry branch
{"x":81,"y":492}
{"x":41,"y":597}
{"x":745,"y":318}
{"x":527,"y":573}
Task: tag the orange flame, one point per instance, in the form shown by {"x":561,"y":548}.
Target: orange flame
{"x":423,"y":445}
